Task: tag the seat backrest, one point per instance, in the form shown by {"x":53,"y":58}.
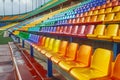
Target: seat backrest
{"x":90,"y":13}
{"x":117,"y":17}
{"x":87,"y":19}
{"x":61,"y":29}
{"x":99,"y":30}
{"x":63,"y":47}
{"x":101,"y":17}
{"x":69,"y":29}
{"x":81,"y":29}
{"x":56,"y":45}
{"x":101,"y":11}
{"x":40,"y":40}
{"x":64,"y":29}
{"x":84,"y":54}
{"x":71,"y":50}
{"x":51,"y":42}
{"x":95,"y":12}
{"x":112,"y":30}
{"x":89,"y":29}
{"x":43,"y":41}
{"x":93,"y":18}
{"x":102,"y":60}
{"x":116,"y":9}
{"x":47,"y":42}
{"x":116,"y":69}
{"x":108,"y":10}
{"x":82,"y":19}
{"x":109,"y":17}
{"x":58,"y":29}
{"x":74,"y":29}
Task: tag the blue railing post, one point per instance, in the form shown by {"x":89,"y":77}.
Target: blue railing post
{"x":23,"y":44}
{"x":71,"y":39}
{"x":31,"y":51}
{"x":115,"y":49}
{"x":49,"y":68}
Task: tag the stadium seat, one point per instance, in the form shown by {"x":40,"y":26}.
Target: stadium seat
{"x":116,"y":71}
{"x":100,"y":18}
{"x":50,"y":46}
{"x":116,"y":9}
{"x":110,"y":31}
{"x":108,"y":10}
{"x":40,"y":44}
{"x":62,"y":50}
{"x":117,"y":17}
{"x":109,"y":17}
{"x":45,"y":45}
{"x":82,"y":59}
{"x":101,"y":11}
{"x":117,"y":38}
{"x":69,"y":54}
{"x":99,"y":30}
{"x":100,"y":66}
{"x":49,"y":53}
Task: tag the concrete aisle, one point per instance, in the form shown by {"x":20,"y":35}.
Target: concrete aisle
{"x":6,"y":65}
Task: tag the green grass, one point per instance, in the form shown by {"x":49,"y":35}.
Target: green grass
{"x":4,"y":40}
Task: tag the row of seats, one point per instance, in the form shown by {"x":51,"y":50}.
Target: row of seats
{"x":100,"y":32}
{"x":87,"y":15}
{"x":79,"y":61}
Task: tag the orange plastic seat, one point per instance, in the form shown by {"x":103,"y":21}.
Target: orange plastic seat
{"x":54,"y":49}
{"x":93,"y":18}
{"x":116,"y":71}
{"x":62,"y":50}
{"x":87,"y":19}
{"x":90,"y":13}
{"x":49,"y":46}
{"x":99,"y":30}
{"x":100,"y":66}
{"x":46,"y":44}
{"x":70,"y":53}
{"x":41,"y":44}
{"x":82,"y":58}
{"x":110,"y":31}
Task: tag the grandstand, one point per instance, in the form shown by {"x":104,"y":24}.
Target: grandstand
{"x":61,"y":40}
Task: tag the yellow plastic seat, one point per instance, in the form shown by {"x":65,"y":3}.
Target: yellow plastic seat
{"x":70,"y":53}
{"x":62,"y":50}
{"x":82,"y":59}
{"x":46,"y":45}
{"x":109,"y":17}
{"x":100,"y":18}
{"x":108,"y":10}
{"x":101,"y":11}
{"x":100,"y":66}
{"x":99,"y":30}
{"x":110,"y":31}
{"x":116,"y":9}
{"x":90,"y":13}
{"x":117,"y":38}
{"x":95,"y":12}
{"x":54,"y":49}
{"x":117,"y":17}
{"x":49,"y":47}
